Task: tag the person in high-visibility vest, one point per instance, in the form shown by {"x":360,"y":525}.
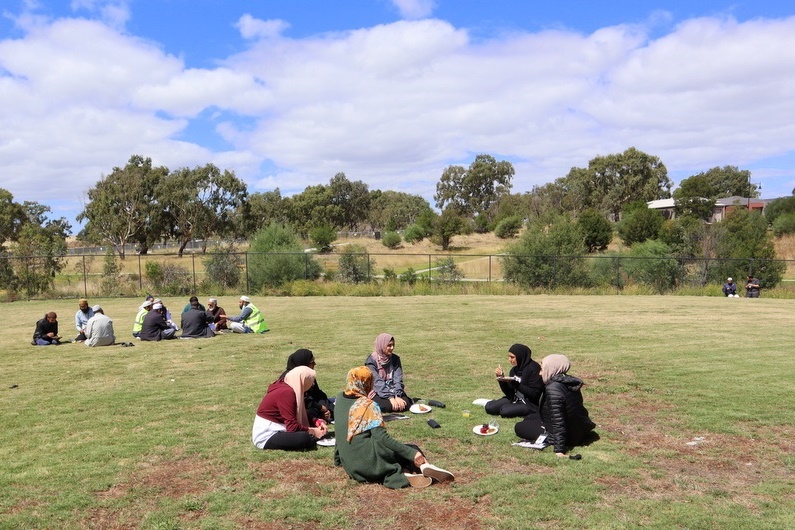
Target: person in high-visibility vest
{"x":250,"y":319}
{"x":139,"y":318}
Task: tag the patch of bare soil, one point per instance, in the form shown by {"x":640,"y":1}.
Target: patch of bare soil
{"x":698,"y":464}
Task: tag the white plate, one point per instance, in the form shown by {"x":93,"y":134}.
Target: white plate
{"x":327,"y":442}
{"x":418,"y":408}
{"x":492,"y":430}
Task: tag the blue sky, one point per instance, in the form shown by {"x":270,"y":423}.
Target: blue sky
{"x":288,"y":93}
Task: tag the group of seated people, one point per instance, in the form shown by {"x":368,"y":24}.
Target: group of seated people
{"x":153,"y":322}
{"x":294,"y":413}
{"x":93,"y":327}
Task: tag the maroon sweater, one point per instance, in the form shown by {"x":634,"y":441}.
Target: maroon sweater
{"x":279,"y":406}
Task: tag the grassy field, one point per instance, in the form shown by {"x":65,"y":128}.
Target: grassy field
{"x":694,"y":398}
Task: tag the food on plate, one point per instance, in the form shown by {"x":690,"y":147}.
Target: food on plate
{"x":484,"y":428}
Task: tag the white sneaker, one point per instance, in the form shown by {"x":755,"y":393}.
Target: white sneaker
{"x":436,"y":473}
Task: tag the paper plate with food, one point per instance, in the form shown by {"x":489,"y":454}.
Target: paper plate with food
{"x":485,"y":429}
{"x":419,"y":408}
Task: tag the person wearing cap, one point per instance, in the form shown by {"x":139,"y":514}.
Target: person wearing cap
{"x":139,"y":318}
{"x":84,"y":312}
{"x":196,"y":322}
{"x":218,"y":314}
{"x":167,"y":313}
{"x":155,"y":327}
{"x":730,"y":289}
{"x":250,"y":319}
{"x":99,"y":329}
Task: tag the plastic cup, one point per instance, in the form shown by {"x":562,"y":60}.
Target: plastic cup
{"x":466,"y":413}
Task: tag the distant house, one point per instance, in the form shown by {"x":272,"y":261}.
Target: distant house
{"x":722,"y":206}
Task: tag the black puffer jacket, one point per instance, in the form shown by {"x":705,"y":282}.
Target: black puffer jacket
{"x":563,"y":414}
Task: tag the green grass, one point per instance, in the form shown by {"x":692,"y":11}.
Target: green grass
{"x":158,"y":436}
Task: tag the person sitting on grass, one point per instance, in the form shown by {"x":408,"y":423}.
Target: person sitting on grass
{"x":367,"y":453}
{"x":196,"y":322}
{"x":318,"y":404}
{"x":155,"y":326}
{"x":84,"y":312}
{"x":730,"y":289}
{"x":561,"y":415}
{"x":138,"y":324}
{"x":388,"y":390}
{"x":99,"y":329}
{"x":522,"y":388}
{"x":250,"y":319}
{"x":281,"y":421}
{"x":218,"y":314}
{"x":193,"y":299}
{"x":46,"y":333}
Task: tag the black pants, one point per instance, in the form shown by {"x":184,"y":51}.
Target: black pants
{"x":386,"y":406}
{"x":291,"y":441}
{"x":530,"y":428}
{"x":508,"y":409}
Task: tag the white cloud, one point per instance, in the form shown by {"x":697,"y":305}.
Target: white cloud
{"x":252,"y":28}
{"x":393,"y":104}
{"x":414,"y":9}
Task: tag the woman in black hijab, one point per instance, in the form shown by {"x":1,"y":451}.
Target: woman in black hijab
{"x":317,"y":402}
{"x":522,"y":387}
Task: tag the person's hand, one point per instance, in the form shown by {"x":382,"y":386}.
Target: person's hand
{"x":419,"y":459}
{"x":397,"y":403}
{"x":560,"y":454}
{"x":499,"y":372}
{"x":327,"y":414}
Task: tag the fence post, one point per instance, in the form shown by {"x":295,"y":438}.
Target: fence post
{"x":247,"y":272}
{"x":306,"y":265}
{"x":429,"y":267}
{"x":489,"y":268}
{"x":618,"y":275}
{"x":85,"y":283}
{"x":367,"y":256}
{"x":193,"y":265}
{"x":27,"y":277}
{"x":140,"y":276}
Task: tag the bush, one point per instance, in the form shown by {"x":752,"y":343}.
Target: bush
{"x":509,"y":227}
{"x":355,"y":265}
{"x":391,"y":240}
{"x":784,"y":224}
{"x":414,"y":234}
{"x":389,"y":274}
{"x":653,"y":265}
{"x":277,"y":257}
{"x":547,"y":256}
{"x":110,"y":273}
{"x":639,"y":225}
{"x":596,"y":230}
{"x":446,"y":271}
{"x":168,"y":278}
{"x":322,"y":237}
{"x":223,"y":267}
{"x":409,"y":276}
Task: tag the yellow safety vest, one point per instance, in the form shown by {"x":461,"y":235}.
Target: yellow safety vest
{"x":138,"y":325}
{"x":255,"y":321}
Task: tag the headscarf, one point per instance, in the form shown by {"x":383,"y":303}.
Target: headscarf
{"x":552,"y":365}
{"x":301,"y":357}
{"x":364,"y":414}
{"x":300,"y":380}
{"x":379,"y":353}
{"x":523,"y":359}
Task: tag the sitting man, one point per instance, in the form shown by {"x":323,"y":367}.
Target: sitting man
{"x":218,"y":314}
{"x":250,"y":319}
{"x":730,"y":289}
{"x":46,"y":333}
{"x":99,"y":329}
{"x":193,"y":298}
{"x":196,"y":322}
{"x":139,"y":318}
{"x":155,"y":327}
{"x":81,"y":319}
{"x":752,"y":287}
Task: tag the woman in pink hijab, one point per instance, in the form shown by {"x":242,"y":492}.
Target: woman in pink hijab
{"x":388,"y":390}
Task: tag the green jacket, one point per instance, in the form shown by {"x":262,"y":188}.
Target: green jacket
{"x":372,"y":456}
{"x":139,"y":320}
{"x":255,"y":320}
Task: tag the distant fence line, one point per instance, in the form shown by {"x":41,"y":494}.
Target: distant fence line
{"x":83,"y":272}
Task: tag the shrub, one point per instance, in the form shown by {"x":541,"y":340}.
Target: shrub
{"x":653,"y":265}
{"x":784,"y":224}
{"x":547,"y":256}
{"x":391,"y":240}
{"x":355,"y":265}
{"x":168,"y":278}
{"x":596,"y":230}
{"x":409,"y":276}
{"x":223,"y":267}
{"x":389,"y":274}
{"x":446,"y":271}
{"x":277,"y":257}
{"x":508,"y":227}
{"x":639,"y":225}
{"x":110,"y":273}
{"x":322,"y":237}
{"x":414,"y":234}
